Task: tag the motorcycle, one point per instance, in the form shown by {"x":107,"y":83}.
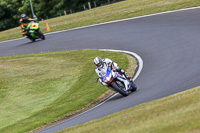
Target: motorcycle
{"x":117,"y":82}
{"x":34,"y":31}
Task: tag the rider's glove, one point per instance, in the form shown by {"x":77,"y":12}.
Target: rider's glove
{"x":96,"y":80}
{"x":122,"y":71}
{"x":23,"y":29}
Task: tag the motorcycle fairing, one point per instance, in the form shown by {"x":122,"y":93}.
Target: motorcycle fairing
{"x":116,"y":75}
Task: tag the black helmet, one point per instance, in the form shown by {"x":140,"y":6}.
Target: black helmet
{"x":23,"y":16}
{"x":98,"y":62}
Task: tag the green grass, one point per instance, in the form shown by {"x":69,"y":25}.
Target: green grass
{"x":33,"y":87}
{"x":120,"y":10}
{"x":39,"y":89}
{"x":178,"y":113}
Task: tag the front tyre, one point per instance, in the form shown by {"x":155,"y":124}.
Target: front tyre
{"x":116,"y":87}
{"x":41,"y":35}
{"x":133,"y":86}
{"x":33,"y":39}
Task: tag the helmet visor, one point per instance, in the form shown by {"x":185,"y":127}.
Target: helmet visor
{"x":99,"y":64}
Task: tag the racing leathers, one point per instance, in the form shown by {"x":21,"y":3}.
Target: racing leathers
{"x":24,"y":23}
{"x":103,"y":68}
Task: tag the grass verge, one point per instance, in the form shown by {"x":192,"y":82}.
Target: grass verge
{"x":120,"y":10}
{"x":39,"y":89}
{"x":178,"y":113}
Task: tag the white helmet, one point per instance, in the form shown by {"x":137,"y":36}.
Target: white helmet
{"x":98,"y":62}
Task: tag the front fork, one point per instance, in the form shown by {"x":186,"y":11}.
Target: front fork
{"x":126,"y":83}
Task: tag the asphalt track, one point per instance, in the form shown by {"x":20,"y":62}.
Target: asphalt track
{"x":168,"y":43}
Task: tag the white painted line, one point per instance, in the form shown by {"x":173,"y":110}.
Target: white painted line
{"x":12,"y":40}
{"x":115,"y":21}
{"x":140,"y":66}
{"x":125,"y":20}
{"x":139,"y":59}
{"x":94,"y":106}
{"x":77,"y":115}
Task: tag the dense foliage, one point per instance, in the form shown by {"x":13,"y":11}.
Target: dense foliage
{"x":10,"y":10}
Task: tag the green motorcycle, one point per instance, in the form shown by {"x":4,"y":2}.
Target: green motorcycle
{"x":34,"y":31}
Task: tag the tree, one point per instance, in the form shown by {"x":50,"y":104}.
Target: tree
{"x":8,"y":15}
{"x":10,"y":10}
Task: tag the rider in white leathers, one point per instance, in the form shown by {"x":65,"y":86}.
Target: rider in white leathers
{"x":102,"y":65}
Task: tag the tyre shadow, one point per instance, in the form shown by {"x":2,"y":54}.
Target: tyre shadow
{"x":119,"y":96}
{"x":27,"y":43}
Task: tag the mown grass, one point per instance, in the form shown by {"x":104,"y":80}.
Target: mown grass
{"x":39,"y":89}
{"x":33,"y":87}
{"x":178,"y":113}
{"x":120,"y":10}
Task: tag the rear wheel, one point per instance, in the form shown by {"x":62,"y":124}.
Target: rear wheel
{"x":41,"y":35}
{"x":117,"y":88}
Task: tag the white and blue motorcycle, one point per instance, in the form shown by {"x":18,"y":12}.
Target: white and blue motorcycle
{"x":118,"y":82}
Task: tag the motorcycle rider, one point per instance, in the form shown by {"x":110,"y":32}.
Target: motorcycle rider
{"x":24,"y":22}
{"x":103,"y":64}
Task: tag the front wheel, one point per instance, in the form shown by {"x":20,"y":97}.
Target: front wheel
{"x":41,"y":35}
{"x":116,"y":87}
{"x":133,"y":86}
{"x":31,"y":38}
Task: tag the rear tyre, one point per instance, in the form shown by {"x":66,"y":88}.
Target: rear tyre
{"x":116,"y":87}
{"x":41,"y":35}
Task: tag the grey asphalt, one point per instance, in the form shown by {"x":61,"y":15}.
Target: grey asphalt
{"x":169,"y":45}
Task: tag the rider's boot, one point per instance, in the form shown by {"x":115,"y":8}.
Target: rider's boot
{"x":128,"y":77}
{"x":125,"y":74}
